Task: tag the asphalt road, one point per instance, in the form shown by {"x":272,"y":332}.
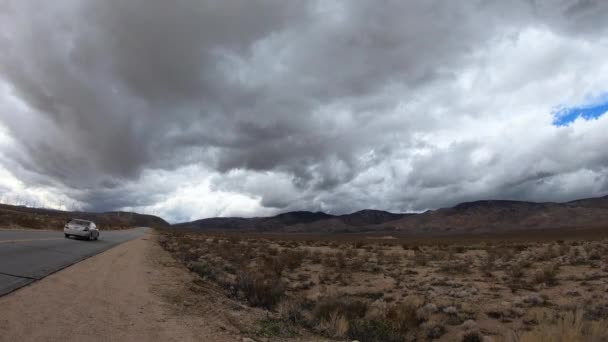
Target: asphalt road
{"x":29,"y":255}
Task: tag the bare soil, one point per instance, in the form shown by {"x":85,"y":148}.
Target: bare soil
{"x":134,"y":292}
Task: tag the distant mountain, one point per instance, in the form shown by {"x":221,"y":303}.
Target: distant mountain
{"x":296,"y":221}
{"x":487,"y":216}
{"x":25,"y":217}
{"x":599,"y":202}
{"x":506,"y":216}
{"x":369,"y":217}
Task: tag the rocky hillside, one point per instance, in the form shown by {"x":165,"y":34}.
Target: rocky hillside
{"x":18,"y":216}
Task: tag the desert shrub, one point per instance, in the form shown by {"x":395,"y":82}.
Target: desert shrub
{"x":351,"y":253}
{"x":595,"y":252}
{"x":316,"y":257}
{"x":420,"y":258}
{"x":329,"y":260}
{"x":258,"y":289}
{"x":356,"y":263}
{"x":597,"y":312}
{"x":404,"y":316}
{"x":458,"y":249}
{"x":292,"y":310}
{"x":473,"y":336}
{"x":549,"y":252}
{"x":438,"y":255}
{"x":547,"y":275}
{"x":275,"y":328}
{"x":336,"y":325}
{"x":359,"y":244}
{"x":188,"y":254}
{"x":505,"y":254}
{"x":455,"y":267}
{"x":325,"y":277}
{"x":229,"y":269}
{"x":515,"y":275}
{"x":274,"y":264}
{"x":373,"y":331}
{"x":435,"y":331}
{"x":349,"y":308}
{"x":340,"y":260}
{"x":488,"y":264}
{"x":515,"y":272}
{"x":392,"y":259}
{"x":564,"y":248}
{"x":292,"y":259}
{"x":203,"y":269}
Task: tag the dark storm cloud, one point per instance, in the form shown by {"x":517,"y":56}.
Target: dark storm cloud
{"x":110,"y":89}
{"x":113,"y":78}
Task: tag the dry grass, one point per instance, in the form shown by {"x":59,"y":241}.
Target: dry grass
{"x":569,"y":326}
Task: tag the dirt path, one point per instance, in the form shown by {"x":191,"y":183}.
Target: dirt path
{"x":129,"y":293}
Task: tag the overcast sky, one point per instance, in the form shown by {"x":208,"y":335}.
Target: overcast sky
{"x":190,"y":109}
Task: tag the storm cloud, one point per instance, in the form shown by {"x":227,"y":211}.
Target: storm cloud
{"x":189,"y":109}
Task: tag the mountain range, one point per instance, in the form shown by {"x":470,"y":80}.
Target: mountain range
{"x":479,"y":217}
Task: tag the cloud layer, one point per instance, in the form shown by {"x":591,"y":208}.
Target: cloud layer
{"x":190,"y":109}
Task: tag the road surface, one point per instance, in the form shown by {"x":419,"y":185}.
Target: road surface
{"x":30,"y":255}
{"x":133,"y":292}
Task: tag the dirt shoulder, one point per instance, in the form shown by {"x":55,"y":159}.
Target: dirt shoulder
{"x":133,"y":292}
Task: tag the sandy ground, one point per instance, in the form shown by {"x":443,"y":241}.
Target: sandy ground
{"x":133,"y":292}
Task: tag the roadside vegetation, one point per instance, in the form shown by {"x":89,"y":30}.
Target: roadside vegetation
{"x":397,"y":290}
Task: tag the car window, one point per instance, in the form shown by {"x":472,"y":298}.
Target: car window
{"x":80,"y":222}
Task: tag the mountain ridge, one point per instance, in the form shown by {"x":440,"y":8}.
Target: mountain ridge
{"x":482,"y":216}
{"x":14,"y":216}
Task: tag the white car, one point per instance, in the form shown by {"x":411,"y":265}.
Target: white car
{"x":82,"y":229}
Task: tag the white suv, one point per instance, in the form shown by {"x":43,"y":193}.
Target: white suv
{"x":82,"y":229}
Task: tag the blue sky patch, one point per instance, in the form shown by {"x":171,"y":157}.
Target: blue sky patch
{"x":565,"y":115}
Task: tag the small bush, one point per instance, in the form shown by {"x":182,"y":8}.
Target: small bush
{"x":349,"y":308}
{"x":435,"y":331}
{"x":404,"y":316}
{"x":515,"y":275}
{"x":292,"y":259}
{"x":547,"y":275}
{"x":455,"y":267}
{"x":292,"y":310}
{"x":373,"y":331}
{"x":275,"y":328}
{"x":203,"y":270}
{"x":420,"y":258}
{"x":472,"y":336}
{"x":273,"y":264}
{"x":489,"y":264}
{"x":260,"y":290}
